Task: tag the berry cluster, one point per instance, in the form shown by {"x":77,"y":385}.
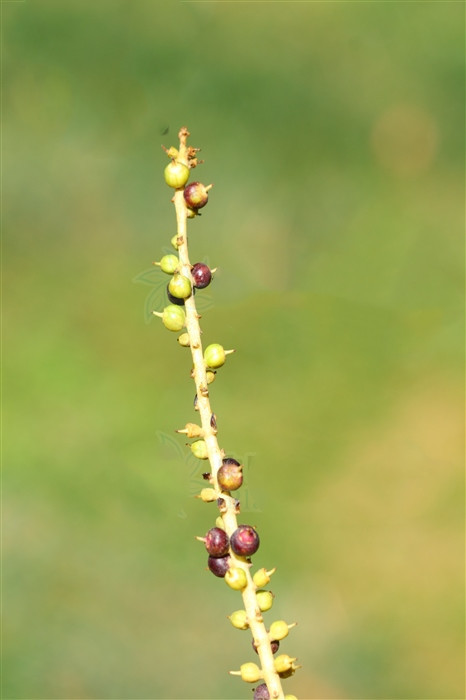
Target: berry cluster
{"x":229,"y":545}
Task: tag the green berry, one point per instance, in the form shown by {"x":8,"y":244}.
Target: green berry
{"x":214,"y":355}
{"x":199,"y":449}
{"x":173,"y":317}
{"x":264,"y":600}
{"x":236,"y":578}
{"x":176,"y":174}
{"x":239,"y":619}
{"x":180,"y":286}
{"x":210,"y":375}
{"x":168,"y":264}
{"x":174,"y":241}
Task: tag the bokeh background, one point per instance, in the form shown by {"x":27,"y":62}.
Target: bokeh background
{"x":333,"y":133}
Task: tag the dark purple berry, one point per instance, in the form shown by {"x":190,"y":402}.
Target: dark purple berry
{"x":201,"y":275}
{"x":230,"y":475}
{"x":219,"y":565}
{"x":244,"y":541}
{"x":275,"y":645}
{"x":217,"y":542}
{"x":261,"y":692}
{"x":196,"y":195}
{"x":174,"y":300}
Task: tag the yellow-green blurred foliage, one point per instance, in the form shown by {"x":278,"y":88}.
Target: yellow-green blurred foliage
{"x":333,"y":135}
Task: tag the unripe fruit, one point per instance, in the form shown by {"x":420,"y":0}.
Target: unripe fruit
{"x":214,"y":355}
{"x":218,"y":565}
{"x":230,"y":475}
{"x":173,"y":317}
{"x":176,"y":174}
{"x":219,"y":521}
{"x":245,"y":541}
{"x":262,"y":577}
{"x":264,"y":600}
{"x":279,"y":629}
{"x":174,"y":241}
{"x":239,"y":619}
{"x":274,"y":645}
{"x":236,"y":578}
{"x":290,"y":697}
{"x":183,"y":340}
{"x":216,"y":542}
{"x":284,"y":663}
{"x":168,"y":264}
{"x":199,"y":449}
{"x":201,"y":275}
{"x":249,"y":672}
{"x":180,"y":286}
{"x":196,"y":195}
{"x":261,"y":692}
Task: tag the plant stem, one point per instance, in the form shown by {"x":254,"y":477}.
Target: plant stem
{"x":215,"y":454}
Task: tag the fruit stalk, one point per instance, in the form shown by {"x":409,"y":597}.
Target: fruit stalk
{"x":215,"y":455}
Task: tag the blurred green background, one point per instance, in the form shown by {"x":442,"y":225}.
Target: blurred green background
{"x":333,"y":133}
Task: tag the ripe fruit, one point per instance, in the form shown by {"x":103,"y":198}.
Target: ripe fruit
{"x":274,"y":645}
{"x":236,"y":578}
{"x":176,"y":174}
{"x":179,"y":286}
{"x":199,"y":449}
{"x":214,"y":355}
{"x":261,"y":692}
{"x":173,"y":317}
{"x":216,"y":542}
{"x":230,"y":475}
{"x":168,"y":264}
{"x":202,"y":275}
{"x":239,"y":619}
{"x":218,"y":565}
{"x":245,"y":541}
{"x":264,"y":600}
{"x":196,"y":195}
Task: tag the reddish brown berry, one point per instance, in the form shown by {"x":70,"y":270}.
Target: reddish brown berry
{"x":244,"y":541}
{"x":217,"y":542}
{"x":201,"y":275}
{"x":196,"y":195}
{"x":218,"y":565}
{"x":230,"y":475}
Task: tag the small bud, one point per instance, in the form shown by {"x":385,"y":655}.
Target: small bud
{"x":239,"y":619}
{"x":284,"y":663}
{"x":264,"y":600}
{"x":236,"y":578}
{"x":191,"y":430}
{"x":274,"y":646}
{"x":207,"y":495}
{"x":210,"y":374}
{"x":199,"y":449}
{"x":219,"y":522}
{"x":279,"y":629}
{"x":262,"y":577}
{"x":195,"y":403}
{"x":183,"y":340}
{"x":175,"y":241}
{"x":171,"y":152}
{"x":249,"y":672}
{"x":290,"y":697}
{"x":222,"y":505}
